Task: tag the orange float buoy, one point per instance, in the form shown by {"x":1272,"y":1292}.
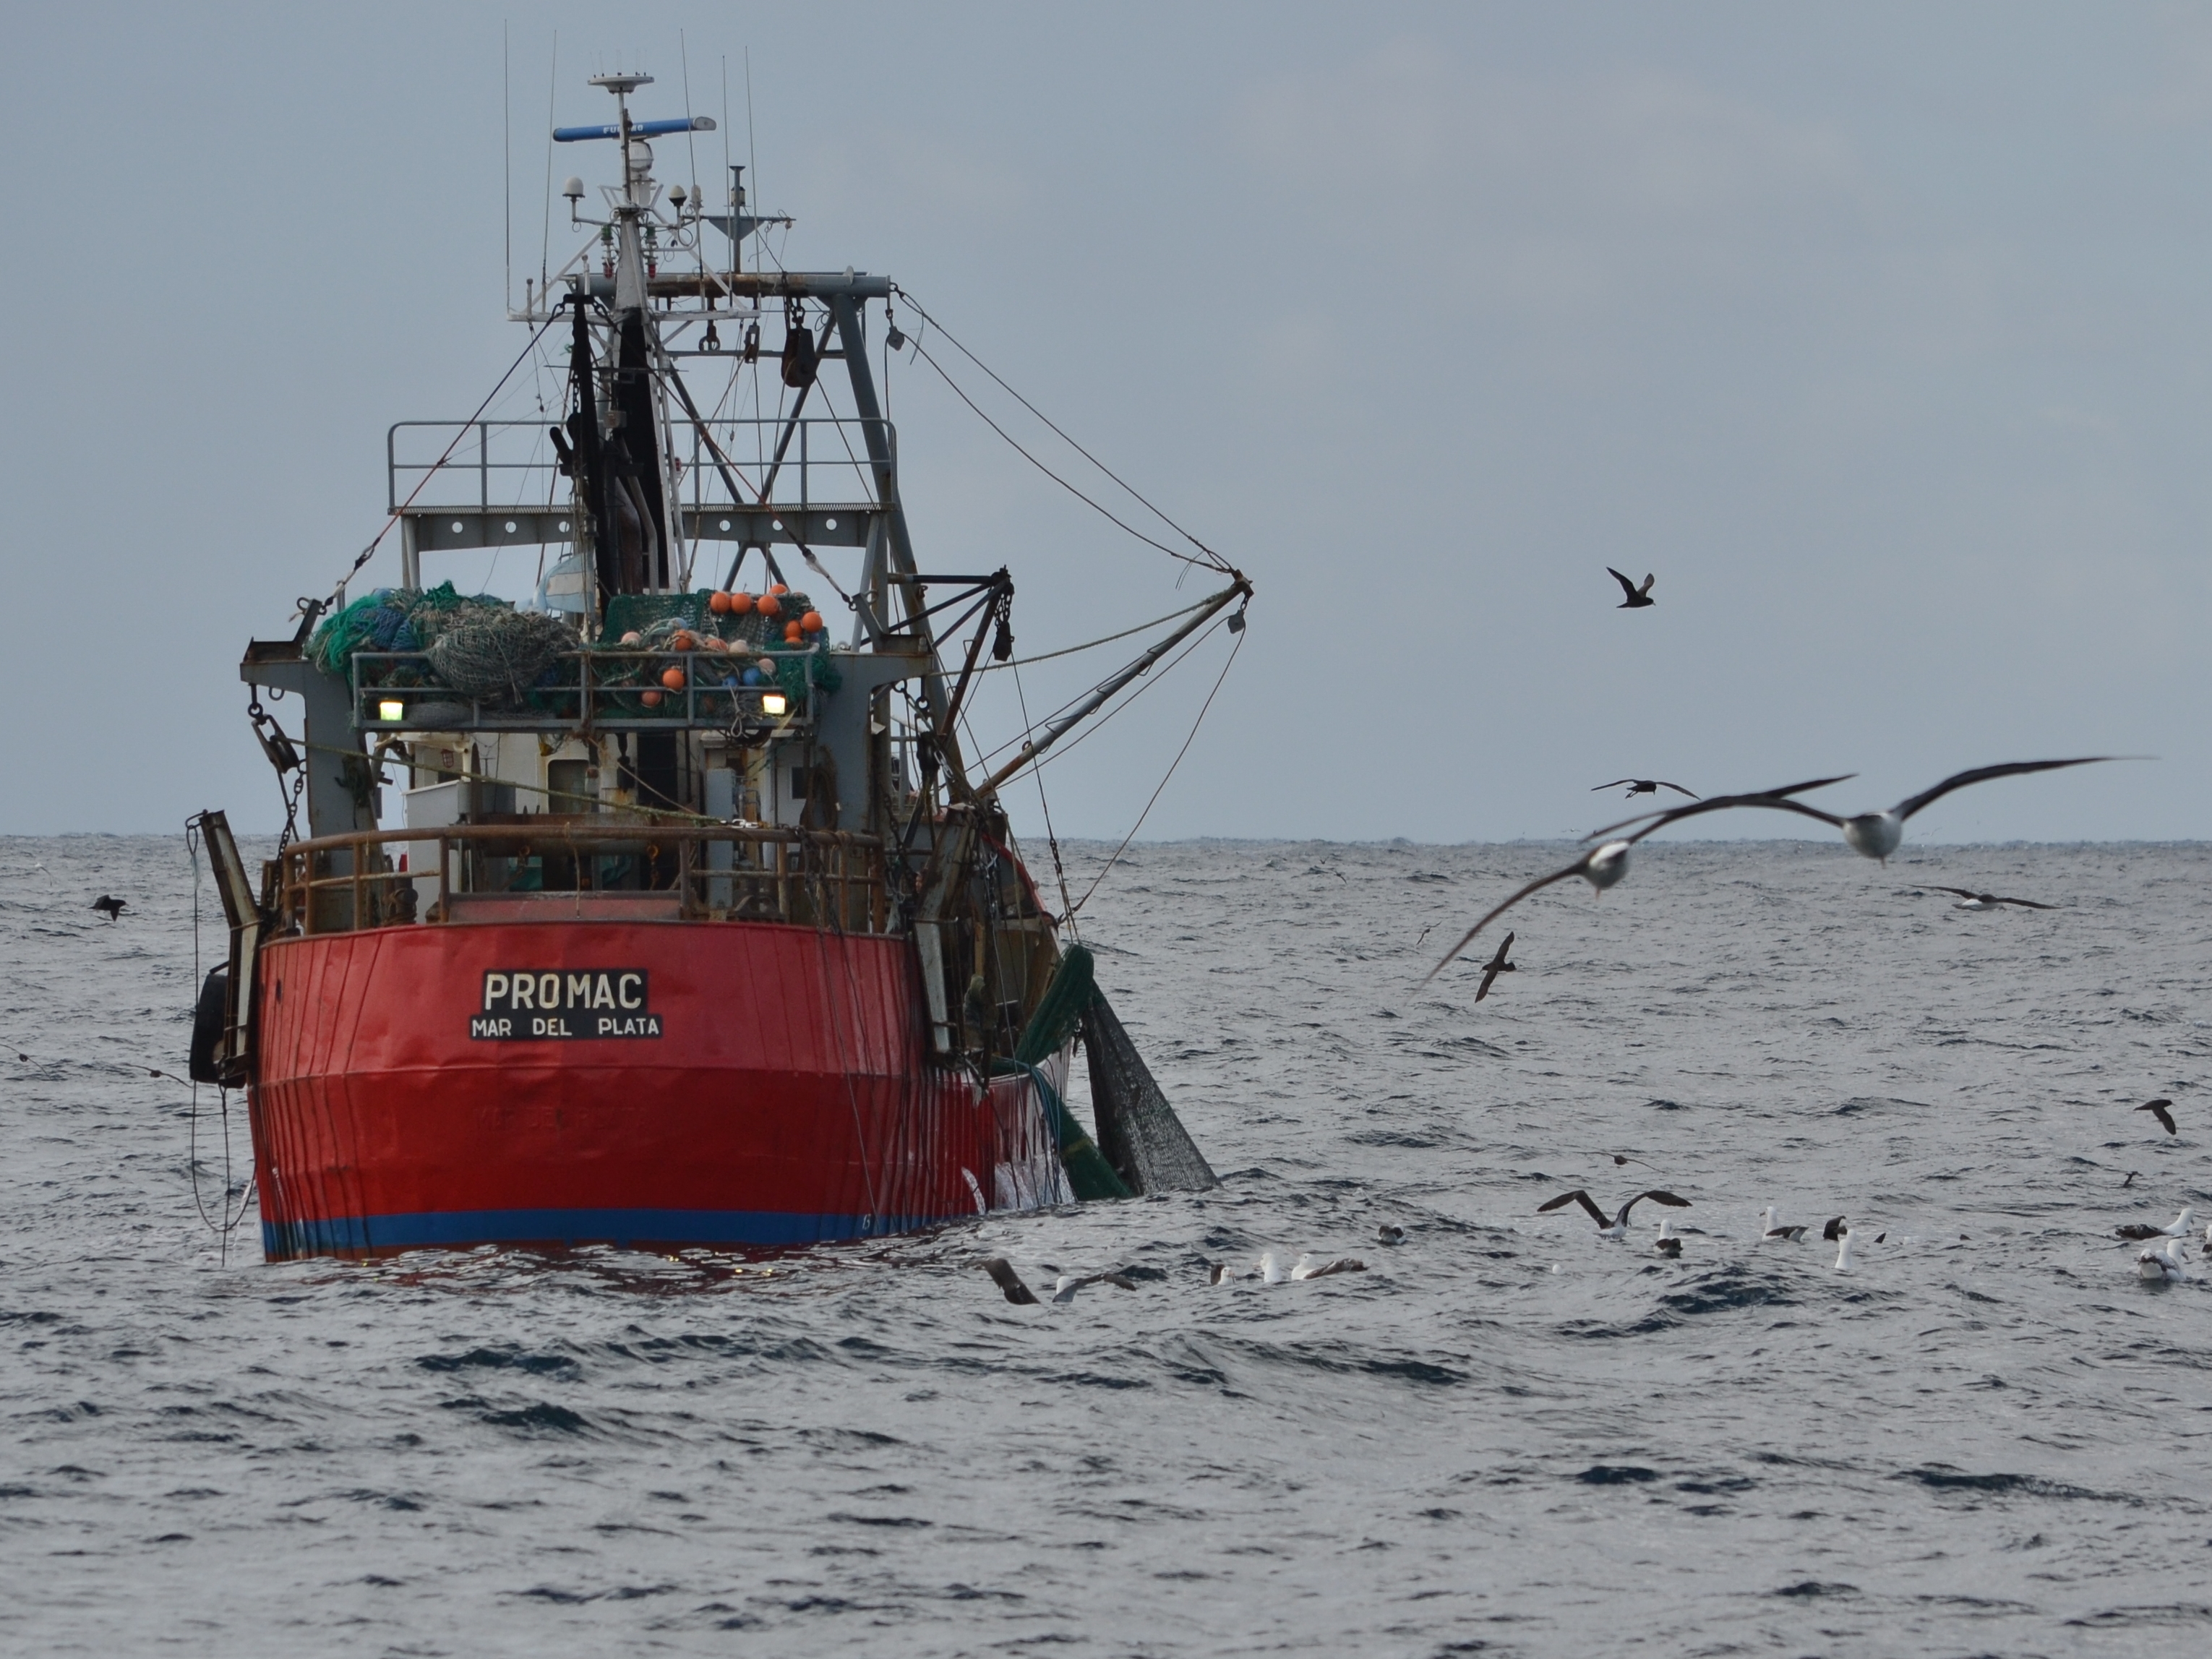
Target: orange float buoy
{"x":680,"y":640}
{"x":718,"y":602}
{"x":740,"y":604}
{"x":769,"y":604}
{"x":794,"y":634}
{"x":673,"y":679}
{"x":812,"y":622}
{"x":651,"y":699}
{"x":778,"y":587}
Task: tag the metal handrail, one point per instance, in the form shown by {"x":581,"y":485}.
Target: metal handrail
{"x":846,"y":453}
{"x":721,"y":872}
{"x":598,"y":703}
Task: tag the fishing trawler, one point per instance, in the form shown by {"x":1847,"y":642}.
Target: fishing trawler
{"x":696,"y":927}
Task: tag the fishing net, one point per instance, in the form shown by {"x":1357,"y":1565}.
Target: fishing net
{"x":1058,"y":1012}
{"x":1138,"y":1131}
{"x":756,"y":651}
{"x":498,"y":656}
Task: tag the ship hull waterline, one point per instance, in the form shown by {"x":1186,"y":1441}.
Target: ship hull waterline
{"x":645,"y":1084}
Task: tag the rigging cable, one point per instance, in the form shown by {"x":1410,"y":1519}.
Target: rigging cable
{"x":1051,"y":839}
{"x":1212,"y":557}
{"x":1180,"y":753}
{"x":400,"y":512}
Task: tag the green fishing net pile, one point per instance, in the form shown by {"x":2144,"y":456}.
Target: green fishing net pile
{"x":477,"y":645}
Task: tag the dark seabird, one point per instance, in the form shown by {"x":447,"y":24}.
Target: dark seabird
{"x":1389,"y":1233}
{"x":1835,"y":1228}
{"x":1773,"y":1229}
{"x":1622,"y":1158}
{"x":1008,"y":1280}
{"x":2157,"y":1108}
{"x":1989,"y":901}
{"x":1872,"y":835}
{"x":1647,"y":786}
{"x":1068,"y":1285}
{"x":1637,"y":597}
{"x":1491,"y":969}
{"x":2182,"y":1226}
{"x":1218,"y":1273}
{"x":110,"y":908}
{"x":1617,"y":1225}
{"x":1602,"y":866}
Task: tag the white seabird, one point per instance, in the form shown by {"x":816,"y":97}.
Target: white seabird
{"x":1068,"y":1285}
{"x":1843,"y":1236}
{"x":1603,"y":866}
{"x":1667,"y":1243}
{"x":1871,"y":834}
{"x":1311,"y":1267}
{"x":2161,"y":1263}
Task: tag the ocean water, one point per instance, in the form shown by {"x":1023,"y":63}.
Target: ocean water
{"x":1506,"y":1437}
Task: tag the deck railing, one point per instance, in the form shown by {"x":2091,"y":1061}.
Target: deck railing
{"x":553,"y":868}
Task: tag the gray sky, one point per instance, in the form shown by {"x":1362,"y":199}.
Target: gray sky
{"x":1883,"y":334}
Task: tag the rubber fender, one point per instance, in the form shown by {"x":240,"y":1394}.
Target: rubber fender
{"x":207,"y":1027}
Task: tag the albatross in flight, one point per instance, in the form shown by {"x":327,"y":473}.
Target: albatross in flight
{"x":1602,"y":866}
{"x":1497,"y":965}
{"x":1645,"y":786}
{"x":1617,"y":1226}
{"x":1973,"y":901}
{"x":1872,"y":834}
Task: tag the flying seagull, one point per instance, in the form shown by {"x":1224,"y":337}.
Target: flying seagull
{"x":1497,"y":965}
{"x":1872,"y":835}
{"x":1002,"y":1272}
{"x":1989,"y":901}
{"x":1617,"y":1226}
{"x":2158,"y":1109}
{"x":110,"y":908}
{"x":1068,"y":1285}
{"x":2182,"y":1226}
{"x":1772,"y":1229}
{"x":1647,"y":786}
{"x":1602,"y":866}
{"x":1637,"y":597}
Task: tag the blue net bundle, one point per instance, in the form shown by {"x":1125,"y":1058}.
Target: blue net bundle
{"x":478,"y":645}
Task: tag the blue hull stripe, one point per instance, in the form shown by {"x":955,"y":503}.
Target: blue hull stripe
{"x":282,"y":1239}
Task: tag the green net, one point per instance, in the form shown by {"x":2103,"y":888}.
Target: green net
{"x":1057,"y":1013}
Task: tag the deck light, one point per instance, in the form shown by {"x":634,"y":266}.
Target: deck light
{"x":390,"y":711}
{"x":774,"y":702}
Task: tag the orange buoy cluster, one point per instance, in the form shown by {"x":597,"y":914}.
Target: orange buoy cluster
{"x":769,"y":604}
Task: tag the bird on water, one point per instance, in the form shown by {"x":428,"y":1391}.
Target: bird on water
{"x":1973,"y":900}
{"x":1667,"y":1243}
{"x":1646,"y":787}
{"x":1615,"y":1226}
{"x":1772,"y":1232}
{"x":2161,"y":1263}
{"x":2182,"y":1226}
{"x":1637,"y":597}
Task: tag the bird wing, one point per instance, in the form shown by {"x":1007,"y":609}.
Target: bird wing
{"x":1627,"y":586}
{"x":2157,"y":1109}
{"x":1657,"y":1197}
{"x":1343,"y":1264}
{"x":1003,"y":1274}
{"x":1648,"y":579}
{"x":1774,"y":797}
{"x":1907,"y":807}
{"x":1963,"y":892}
{"x":1498,"y":962}
{"x":1537,"y":885}
{"x":2025,"y":904}
{"x":1679,"y":790}
{"x":1483,"y":989}
{"x":1577,"y":1196}
{"x":1615,"y":784}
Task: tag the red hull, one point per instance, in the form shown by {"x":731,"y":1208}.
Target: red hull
{"x":759,"y":1084}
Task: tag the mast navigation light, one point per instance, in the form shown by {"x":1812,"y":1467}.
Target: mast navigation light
{"x":637,"y":129}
